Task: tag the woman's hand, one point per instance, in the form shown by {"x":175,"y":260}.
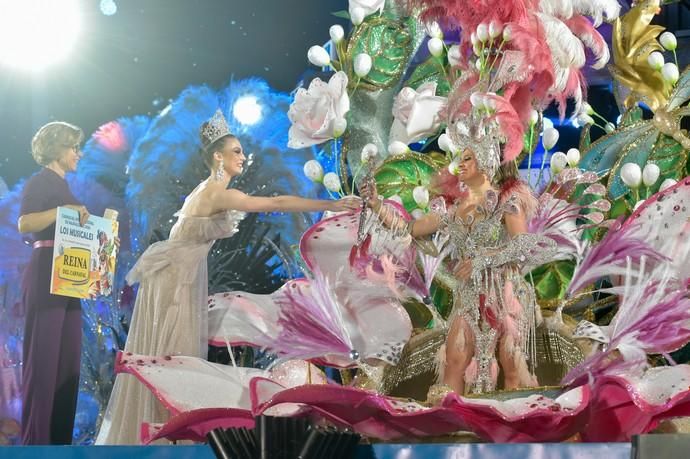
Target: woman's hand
{"x":83,"y":213}
{"x":463,"y":270}
{"x":347,"y":203}
{"x":369,"y":193}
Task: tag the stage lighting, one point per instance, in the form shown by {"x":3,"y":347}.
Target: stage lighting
{"x":247,"y":110}
{"x":37,"y":33}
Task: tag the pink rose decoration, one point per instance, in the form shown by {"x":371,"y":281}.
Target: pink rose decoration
{"x":417,"y":113}
{"x":315,"y":111}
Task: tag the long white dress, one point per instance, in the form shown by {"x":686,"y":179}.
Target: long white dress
{"x":169,"y":318}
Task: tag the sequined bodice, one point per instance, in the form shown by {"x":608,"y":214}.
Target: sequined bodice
{"x":481,"y":230}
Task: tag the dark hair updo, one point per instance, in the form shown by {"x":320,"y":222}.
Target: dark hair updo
{"x":208,"y":148}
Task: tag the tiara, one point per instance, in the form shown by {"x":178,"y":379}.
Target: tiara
{"x":480,"y":135}
{"x":215,"y":128}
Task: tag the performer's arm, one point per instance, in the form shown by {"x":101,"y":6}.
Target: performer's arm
{"x":236,"y":200}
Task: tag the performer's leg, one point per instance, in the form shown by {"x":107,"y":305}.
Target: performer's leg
{"x":514,"y":364}
{"x":67,"y":385}
{"x":42,"y":336}
{"x":459,"y":352}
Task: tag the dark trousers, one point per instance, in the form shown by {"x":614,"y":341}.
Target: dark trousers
{"x":52,"y":346}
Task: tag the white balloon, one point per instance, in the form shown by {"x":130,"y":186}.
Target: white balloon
{"x":670,"y":72}
{"x":482,"y":32}
{"x":549,"y":138}
{"x":631,"y":174}
{"x":337,"y":33}
{"x":445,"y":144}
{"x":435,"y":46}
{"x":421,"y":196}
{"x":339,"y":127}
{"x":668,"y":183}
{"x":495,"y":29}
{"x":369,"y":151}
{"x":313,"y":170}
{"x":362,"y":65}
{"x":454,"y":56}
{"x":397,"y":148}
{"x":656,"y":60}
{"x":331,"y":182}
{"x":434,"y":30}
{"x":668,"y":41}
{"x":357,"y":15}
{"x":650,"y":174}
{"x":558,"y":162}
{"x":318,"y":56}
{"x":573,"y":157}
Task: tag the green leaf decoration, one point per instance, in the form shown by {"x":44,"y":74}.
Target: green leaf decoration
{"x":637,"y":152}
{"x":419,"y":313}
{"x":585,"y":138}
{"x":603,"y":155}
{"x":671,"y":158}
{"x":681,"y":92}
{"x":619,"y":207}
{"x":344,"y":14}
{"x":389,"y":43}
{"x":551,"y":281}
{"x":402,"y":173}
{"x":430,"y":70}
{"x":442,"y":297}
{"x":631,"y":116}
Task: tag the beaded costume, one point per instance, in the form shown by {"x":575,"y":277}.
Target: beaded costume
{"x":497,"y":305}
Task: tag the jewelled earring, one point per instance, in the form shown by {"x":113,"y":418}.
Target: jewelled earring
{"x":220,"y":172}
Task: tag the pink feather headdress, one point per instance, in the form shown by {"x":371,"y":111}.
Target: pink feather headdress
{"x":529,"y":53}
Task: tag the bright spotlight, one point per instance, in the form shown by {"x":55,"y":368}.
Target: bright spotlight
{"x":247,"y":110}
{"x":37,"y":33}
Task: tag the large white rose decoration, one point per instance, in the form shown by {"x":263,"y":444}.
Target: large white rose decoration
{"x":368,"y":6}
{"x":317,"y":111}
{"x":417,"y":113}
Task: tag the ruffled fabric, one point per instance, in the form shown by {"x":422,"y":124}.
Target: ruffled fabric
{"x":613,"y":408}
{"x":170,"y":315}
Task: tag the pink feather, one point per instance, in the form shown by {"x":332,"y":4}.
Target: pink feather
{"x":493,"y":371}
{"x":583,"y":29}
{"x":471,"y":371}
{"x":526,"y":200}
{"x":511,"y":126}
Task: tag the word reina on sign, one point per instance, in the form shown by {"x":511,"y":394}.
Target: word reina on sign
{"x":84,"y":256}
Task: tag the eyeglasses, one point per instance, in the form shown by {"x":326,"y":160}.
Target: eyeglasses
{"x":76,"y":148}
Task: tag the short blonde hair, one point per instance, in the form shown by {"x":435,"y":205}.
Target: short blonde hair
{"x":52,"y":138}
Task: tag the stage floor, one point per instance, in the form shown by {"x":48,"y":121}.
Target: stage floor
{"x":378,"y":451}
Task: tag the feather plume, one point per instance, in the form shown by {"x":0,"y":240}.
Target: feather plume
{"x":512,"y":128}
{"x":597,"y":9}
{"x":566,"y":48}
{"x":430,"y":263}
{"x":653,"y":318}
{"x":311,"y":320}
{"x":610,"y":256}
{"x":592,"y":39}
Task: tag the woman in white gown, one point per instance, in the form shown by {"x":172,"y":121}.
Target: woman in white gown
{"x":170,"y":313}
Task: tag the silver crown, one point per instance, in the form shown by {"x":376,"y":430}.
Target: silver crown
{"x":216,"y":128}
{"x":482,"y":137}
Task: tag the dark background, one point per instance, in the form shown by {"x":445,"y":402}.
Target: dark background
{"x":135,"y":60}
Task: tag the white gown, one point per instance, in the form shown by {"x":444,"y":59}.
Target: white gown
{"x":169,"y":318}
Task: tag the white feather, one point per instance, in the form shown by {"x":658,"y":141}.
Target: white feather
{"x":566,"y":48}
{"x":597,"y":9}
{"x":558,"y":8}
